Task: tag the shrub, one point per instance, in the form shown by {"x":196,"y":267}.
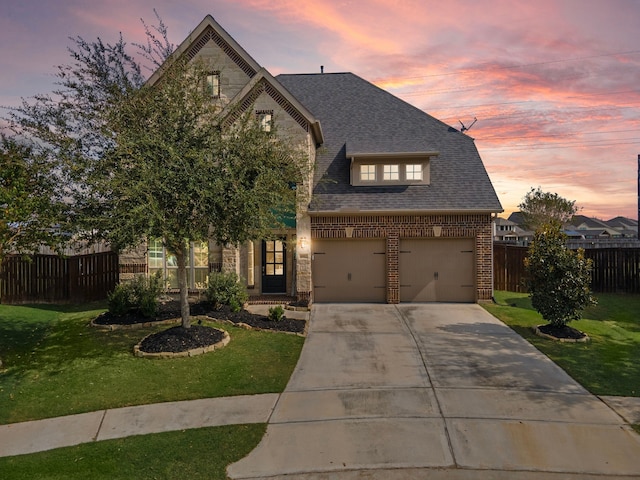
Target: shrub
{"x":139,"y":295}
{"x":226,"y":289}
{"x":120,"y":299}
{"x":559,"y":278}
{"x":276,"y":313}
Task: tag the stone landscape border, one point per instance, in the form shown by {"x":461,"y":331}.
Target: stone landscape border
{"x":188,"y":353}
{"x":584,"y":339}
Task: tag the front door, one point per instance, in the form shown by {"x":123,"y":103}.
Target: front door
{"x":274,"y":266}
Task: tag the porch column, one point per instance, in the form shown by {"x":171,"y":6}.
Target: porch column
{"x":231,"y":259}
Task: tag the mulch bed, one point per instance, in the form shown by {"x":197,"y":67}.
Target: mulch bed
{"x":564,"y":332}
{"x":178,"y":339}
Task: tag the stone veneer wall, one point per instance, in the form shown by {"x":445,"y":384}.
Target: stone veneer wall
{"x":393,"y":228}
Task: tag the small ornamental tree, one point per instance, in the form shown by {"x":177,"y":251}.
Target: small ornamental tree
{"x":558,"y":278}
{"x":540,"y":208}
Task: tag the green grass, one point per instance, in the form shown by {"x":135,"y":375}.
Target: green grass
{"x":607,"y":365}
{"x":194,"y":454}
{"x":56,"y":364}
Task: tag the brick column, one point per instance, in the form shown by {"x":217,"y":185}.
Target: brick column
{"x":231,"y":259}
{"x":393,"y":278}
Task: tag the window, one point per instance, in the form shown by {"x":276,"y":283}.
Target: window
{"x":413,"y":172}
{"x":265,"y":118}
{"x":162,"y":260}
{"x":212,"y":84}
{"x":391,"y":172}
{"x":367,"y":173}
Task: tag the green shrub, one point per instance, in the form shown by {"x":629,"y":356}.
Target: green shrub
{"x":140,"y":295}
{"x":559,"y":278}
{"x":226,"y":289}
{"x":276,"y":313}
{"x":120,"y":299}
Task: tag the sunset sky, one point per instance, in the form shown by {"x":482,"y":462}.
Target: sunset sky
{"x":554,"y":85}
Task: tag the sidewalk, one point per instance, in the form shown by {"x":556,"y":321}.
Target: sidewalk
{"x":39,"y":435}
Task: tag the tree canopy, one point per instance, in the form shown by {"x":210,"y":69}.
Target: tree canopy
{"x":539,"y":208}
{"x":160,"y":159}
{"x":31,"y":207}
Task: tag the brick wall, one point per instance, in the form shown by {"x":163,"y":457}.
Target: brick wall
{"x":396,"y":227}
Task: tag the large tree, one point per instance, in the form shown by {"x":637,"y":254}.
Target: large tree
{"x":160,"y":159}
{"x":31,"y":207}
{"x":539,"y":208}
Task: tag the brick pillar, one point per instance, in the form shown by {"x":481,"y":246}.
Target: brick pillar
{"x":393,"y":278}
{"x":484,"y":263}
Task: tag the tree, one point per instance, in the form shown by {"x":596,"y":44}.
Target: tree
{"x":558,"y":278}
{"x":160,"y":159}
{"x":539,"y":208}
{"x":31,"y":207}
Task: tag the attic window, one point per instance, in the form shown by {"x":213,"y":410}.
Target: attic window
{"x":413,"y":171}
{"x":212,"y":84}
{"x":265,"y":118}
{"x":391,"y":172}
{"x":367,"y":173}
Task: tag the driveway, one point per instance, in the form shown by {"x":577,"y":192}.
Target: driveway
{"x":401,"y":391}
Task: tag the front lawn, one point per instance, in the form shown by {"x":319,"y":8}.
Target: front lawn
{"x":55,"y":363}
{"x":202,"y":453}
{"x":607,"y":365}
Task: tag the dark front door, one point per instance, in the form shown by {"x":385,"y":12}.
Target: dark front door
{"x":274,"y":266}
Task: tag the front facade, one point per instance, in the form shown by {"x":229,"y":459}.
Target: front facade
{"x":399,"y":206}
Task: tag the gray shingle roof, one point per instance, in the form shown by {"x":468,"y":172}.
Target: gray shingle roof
{"x":358,"y":117}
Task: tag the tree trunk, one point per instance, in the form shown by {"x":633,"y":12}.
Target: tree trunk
{"x":183,"y":285}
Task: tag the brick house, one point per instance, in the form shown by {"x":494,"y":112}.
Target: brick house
{"x":400,"y":205}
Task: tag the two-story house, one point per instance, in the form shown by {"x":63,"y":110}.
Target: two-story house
{"x":399,"y":208}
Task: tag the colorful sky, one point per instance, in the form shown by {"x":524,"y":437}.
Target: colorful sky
{"x":554,"y":84}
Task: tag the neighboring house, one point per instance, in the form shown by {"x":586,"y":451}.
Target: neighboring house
{"x":509,"y":232}
{"x":401,"y":204}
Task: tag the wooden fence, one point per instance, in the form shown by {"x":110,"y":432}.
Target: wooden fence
{"x":53,"y":279}
{"x":615,"y":270}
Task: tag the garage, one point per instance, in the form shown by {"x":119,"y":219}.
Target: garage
{"x":437,"y":270}
{"x":349,"y":270}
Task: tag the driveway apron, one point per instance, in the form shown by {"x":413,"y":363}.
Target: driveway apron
{"x":444,"y":387}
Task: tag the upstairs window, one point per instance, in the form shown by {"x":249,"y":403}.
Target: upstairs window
{"x":367,"y":173}
{"x":391,"y":172}
{"x":413,"y":172}
{"x":265,"y":119}
{"x":212,"y":84}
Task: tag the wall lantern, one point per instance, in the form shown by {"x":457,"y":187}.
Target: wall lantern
{"x":303,"y":245}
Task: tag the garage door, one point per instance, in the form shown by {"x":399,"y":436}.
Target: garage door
{"x":349,"y":270}
{"x":439,"y":270}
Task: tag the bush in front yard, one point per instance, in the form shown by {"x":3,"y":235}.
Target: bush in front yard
{"x":140,"y":295}
{"x":227,"y":289}
{"x":559,"y":278}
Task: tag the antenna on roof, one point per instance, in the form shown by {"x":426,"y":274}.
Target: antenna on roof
{"x":464,"y":129}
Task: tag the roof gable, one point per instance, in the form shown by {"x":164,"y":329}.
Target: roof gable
{"x":264,"y":82}
{"x":210,"y":30}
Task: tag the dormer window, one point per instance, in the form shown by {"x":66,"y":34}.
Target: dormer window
{"x":212,"y":84}
{"x":265,"y":119}
{"x":390,"y":170}
{"x":367,"y":173}
{"x":413,"y":171}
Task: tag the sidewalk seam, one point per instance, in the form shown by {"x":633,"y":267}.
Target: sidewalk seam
{"x":104,"y":414}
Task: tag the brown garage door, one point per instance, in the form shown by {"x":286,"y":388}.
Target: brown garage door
{"x":437,"y":270}
{"x":349,"y":270}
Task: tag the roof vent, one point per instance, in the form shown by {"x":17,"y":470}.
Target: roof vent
{"x":321,"y":68}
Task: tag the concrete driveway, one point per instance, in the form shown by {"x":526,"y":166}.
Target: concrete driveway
{"x":386,"y":391}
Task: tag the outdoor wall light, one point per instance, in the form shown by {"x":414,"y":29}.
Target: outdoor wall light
{"x":303,"y":245}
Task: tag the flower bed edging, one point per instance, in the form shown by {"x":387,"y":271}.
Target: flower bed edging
{"x":188,"y":353}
